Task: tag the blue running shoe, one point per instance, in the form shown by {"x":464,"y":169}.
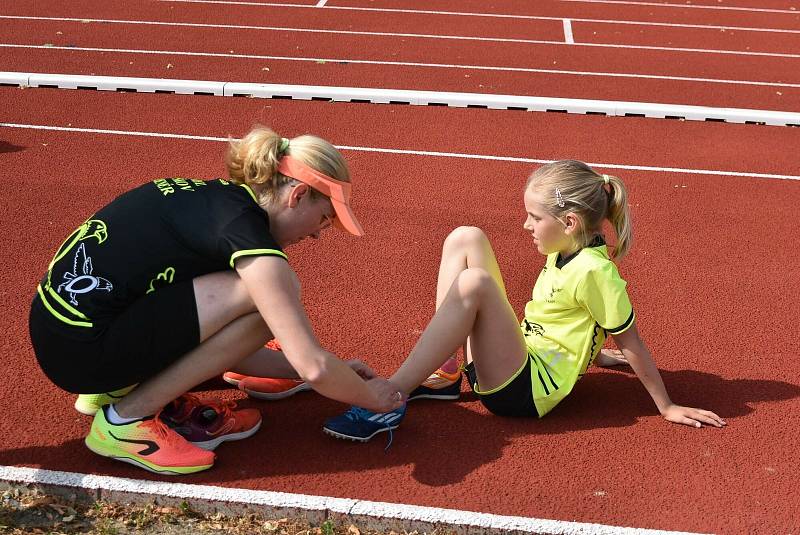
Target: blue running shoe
{"x":361,"y":424}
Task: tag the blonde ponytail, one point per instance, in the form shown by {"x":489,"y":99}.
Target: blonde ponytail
{"x":619,"y":214}
{"x":253,"y":160}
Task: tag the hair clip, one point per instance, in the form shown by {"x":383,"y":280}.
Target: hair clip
{"x":559,"y":198}
{"x":284,"y":145}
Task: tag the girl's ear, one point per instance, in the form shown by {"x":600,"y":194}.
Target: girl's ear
{"x":572,"y":223}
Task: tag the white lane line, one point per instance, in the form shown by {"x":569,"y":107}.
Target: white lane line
{"x":407,"y":64}
{"x":599,"y":165}
{"x":321,"y":3}
{"x":301,"y":504}
{"x":568,"y":32}
{"x":413,"y":35}
{"x":490,"y":15}
{"x":687,"y":6}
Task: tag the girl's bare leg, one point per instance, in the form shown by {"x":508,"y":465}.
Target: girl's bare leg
{"x":472,"y":309}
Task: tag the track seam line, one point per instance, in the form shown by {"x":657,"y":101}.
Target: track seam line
{"x":691,"y":6}
{"x":568,"y":38}
{"x":488,"y":157}
{"x":413,"y":35}
{"x":488,"y":15}
{"x":299,"y":504}
{"x":406,"y":64}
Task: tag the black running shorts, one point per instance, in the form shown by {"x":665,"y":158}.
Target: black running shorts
{"x":513,"y":399}
{"x":148,"y":336}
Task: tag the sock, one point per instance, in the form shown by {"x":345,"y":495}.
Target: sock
{"x":114,"y":418}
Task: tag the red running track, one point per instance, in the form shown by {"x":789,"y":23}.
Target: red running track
{"x":713,"y":288}
{"x":272,"y":56}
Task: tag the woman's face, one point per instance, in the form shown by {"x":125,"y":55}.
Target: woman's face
{"x":296,"y":216}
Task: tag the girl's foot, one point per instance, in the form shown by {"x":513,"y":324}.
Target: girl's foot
{"x":610,"y":357}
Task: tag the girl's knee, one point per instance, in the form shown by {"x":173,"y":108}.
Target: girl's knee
{"x":475,"y":282}
{"x":463,"y":237}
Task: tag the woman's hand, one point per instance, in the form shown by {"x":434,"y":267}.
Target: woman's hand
{"x":691,"y":416}
{"x":363,"y":371}
{"x":386,"y":395}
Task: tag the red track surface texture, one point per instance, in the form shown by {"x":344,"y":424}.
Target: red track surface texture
{"x":712,"y":275}
{"x":285,"y":46}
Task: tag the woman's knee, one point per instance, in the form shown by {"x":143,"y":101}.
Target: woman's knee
{"x":464,"y":237}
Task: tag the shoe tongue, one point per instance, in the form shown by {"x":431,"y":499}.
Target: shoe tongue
{"x":207,"y":415}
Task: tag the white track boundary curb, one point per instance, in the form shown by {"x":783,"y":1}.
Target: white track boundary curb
{"x":400,"y":96}
{"x":108,"y":487}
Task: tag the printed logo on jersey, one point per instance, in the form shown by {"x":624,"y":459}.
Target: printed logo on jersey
{"x":532,"y":328}
{"x":80,"y":280}
{"x":167,"y":276}
{"x":169,"y":186}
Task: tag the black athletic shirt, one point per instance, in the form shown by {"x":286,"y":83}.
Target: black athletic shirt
{"x":163,"y":232}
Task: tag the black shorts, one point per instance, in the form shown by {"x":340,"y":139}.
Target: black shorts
{"x":148,"y":336}
{"x":515,"y":398}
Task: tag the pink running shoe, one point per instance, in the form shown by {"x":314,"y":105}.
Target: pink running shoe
{"x":208,"y":424}
{"x":233,"y":378}
{"x":272,"y":389}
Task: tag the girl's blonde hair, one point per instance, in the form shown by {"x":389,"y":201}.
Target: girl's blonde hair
{"x":572,"y":186}
{"x":253,"y":160}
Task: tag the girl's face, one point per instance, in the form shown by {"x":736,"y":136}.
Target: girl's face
{"x":550,"y":235}
{"x":297,"y":216}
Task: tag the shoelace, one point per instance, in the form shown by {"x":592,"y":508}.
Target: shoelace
{"x":358,"y":413}
{"x":162,"y":430}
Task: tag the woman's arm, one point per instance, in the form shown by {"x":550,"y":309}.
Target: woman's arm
{"x":275,"y":290}
{"x":640,"y":359}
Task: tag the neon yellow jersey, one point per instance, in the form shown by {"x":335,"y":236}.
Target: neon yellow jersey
{"x":574,"y":305}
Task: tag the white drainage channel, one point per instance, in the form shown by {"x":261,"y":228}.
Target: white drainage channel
{"x":399,"y":96}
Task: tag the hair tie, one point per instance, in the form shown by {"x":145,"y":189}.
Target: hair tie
{"x":606,"y":179}
{"x":284,"y":145}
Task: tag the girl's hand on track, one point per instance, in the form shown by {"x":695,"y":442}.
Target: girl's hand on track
{"x":691,"y":416}
{"x":363,"y":371}
{"x":386,"y":395}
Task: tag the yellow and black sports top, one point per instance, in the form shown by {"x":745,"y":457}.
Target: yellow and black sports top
{"x":575,"y":303}
{"x":163,"y":232}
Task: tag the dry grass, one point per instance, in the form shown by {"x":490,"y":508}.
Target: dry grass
{"x":31,"y":511}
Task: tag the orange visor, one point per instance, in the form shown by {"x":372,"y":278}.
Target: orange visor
{"x":336,"y":190}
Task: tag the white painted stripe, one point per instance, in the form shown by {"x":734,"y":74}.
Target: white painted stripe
{"x":687,"y":6}
{"x":321,"y":3}
{"x":421,"y":98}
{"x":489,"y":15}
{"x":413,"y":35}
{"x":599,"y":165}
{"x":408,"y":64}
{"x":300,"y":503}
{"x":568,"y":32}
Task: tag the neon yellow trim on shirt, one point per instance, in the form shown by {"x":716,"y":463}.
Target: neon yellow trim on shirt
{"x":255,"y":252}
{"x":250,"y":191}
{"x":59,"y":316}
{"x":505,"y":384}
{"x":70,"y":308}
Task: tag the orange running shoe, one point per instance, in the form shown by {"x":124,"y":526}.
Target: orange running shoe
{"x":147,"y":443}
{"x":271,"y":388}
{"x":208,"y":424}
{"x":444,"y":383}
